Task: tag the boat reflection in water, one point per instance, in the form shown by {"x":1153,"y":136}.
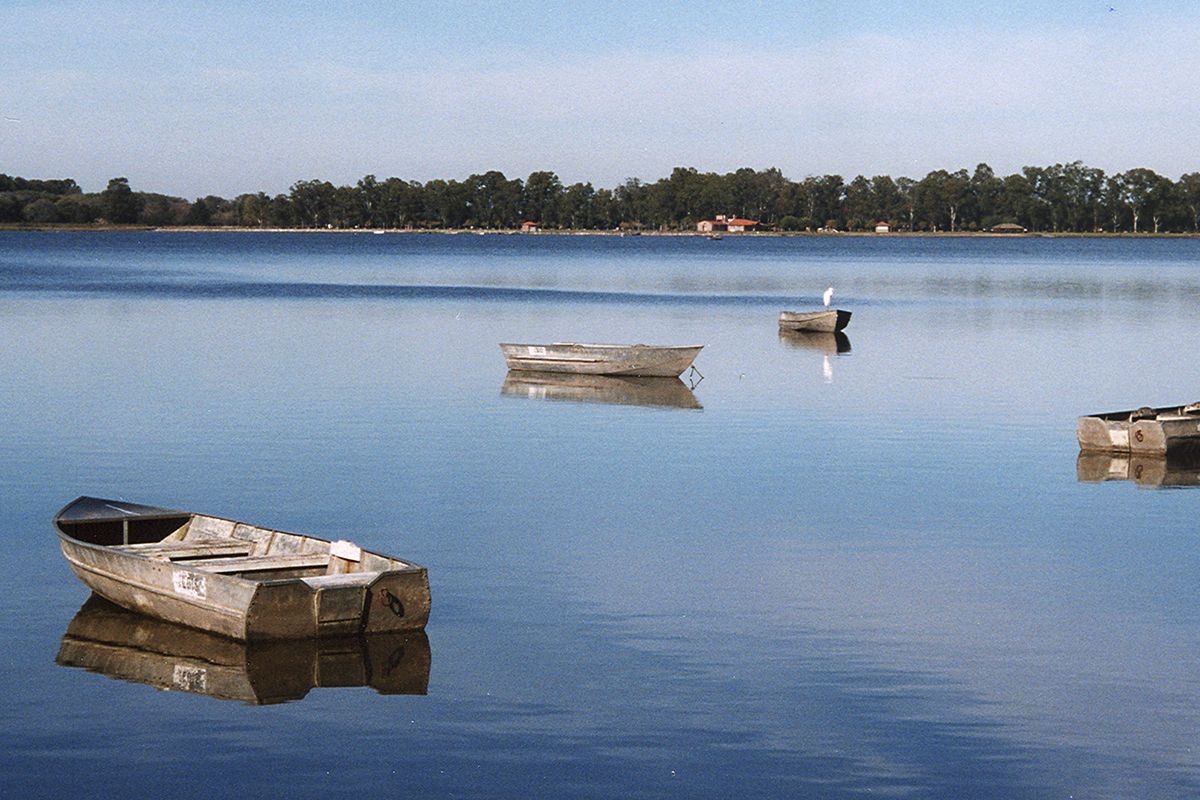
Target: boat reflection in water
{"x":107,"y":639}
{"x":829,"y":343}
{"x":1174,"y":470}
{"x":623,"y":390}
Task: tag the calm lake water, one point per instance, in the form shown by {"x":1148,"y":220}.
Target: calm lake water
{"x":816,"y":574}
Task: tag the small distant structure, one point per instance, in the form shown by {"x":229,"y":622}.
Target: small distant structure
{"x":1007,"y":227}
{"x":528,"y":226}
{"x":730,"y":224}
{"x":883,"y":226}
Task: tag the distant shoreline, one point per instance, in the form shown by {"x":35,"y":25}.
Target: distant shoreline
{"x":68,"y":228}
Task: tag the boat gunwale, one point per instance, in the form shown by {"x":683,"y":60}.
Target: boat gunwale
{"x":583,"y":345}
{"x":1161,"y":412}
{"x":191,"y":515}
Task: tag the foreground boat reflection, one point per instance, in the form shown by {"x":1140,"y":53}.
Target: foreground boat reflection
{"x":836,"y":343}
{"x":1144,"y":470}
{"x":107,"y":639}
{"x":615,"y":389}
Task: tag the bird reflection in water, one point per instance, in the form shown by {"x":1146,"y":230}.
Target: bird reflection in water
{"x":109,"y":640}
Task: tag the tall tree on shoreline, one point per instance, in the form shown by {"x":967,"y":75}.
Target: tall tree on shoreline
{"x":119,"y":203}
{"x":1189,"y":193}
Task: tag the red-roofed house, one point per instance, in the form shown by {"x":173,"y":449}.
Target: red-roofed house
{"x":731,"y":224}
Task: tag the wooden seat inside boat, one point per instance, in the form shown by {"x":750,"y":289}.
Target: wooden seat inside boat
{"x":188,"y":551}
{"x":286,"y":561}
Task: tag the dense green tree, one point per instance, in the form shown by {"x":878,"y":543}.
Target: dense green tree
{"x":540,"y":198}
{"x":1189,"y":198}
{"x":575,"y":206}
{"x":349,"y":208}
{"x":156,"y":211}
{"x":493,"y":201}
{"x":858,"y":203}
{"x":199,"y":214}
{"x":1140,"y":190}
{"x":77,"y":209}
{"x":312,"y":202}
{"x":943,"y":194}
{"x":41,"y":211}
{"x":252,"y":210}
{"x":398,"y":204}
{"x":118,"y":202}
{"x":629,"y":202}
{"x":907,"y":189}
{"x":605,"y":215}
{"x":281,"y":213}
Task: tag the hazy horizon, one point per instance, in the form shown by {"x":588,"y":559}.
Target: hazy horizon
{"x":224,"y":100}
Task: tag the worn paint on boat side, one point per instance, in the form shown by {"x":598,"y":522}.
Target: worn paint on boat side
{"x":1142,"y":430}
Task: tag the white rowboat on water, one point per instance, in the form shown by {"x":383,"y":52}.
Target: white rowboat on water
{"x":601,"y":359}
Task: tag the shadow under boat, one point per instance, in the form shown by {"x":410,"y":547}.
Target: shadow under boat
{"x":836,"y":343}
{"x":109,"y":640}
{"x":624,"y":390}
{"x":1176,"y":469}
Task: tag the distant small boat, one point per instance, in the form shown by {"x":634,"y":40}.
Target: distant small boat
{"x":235,"y":579}
{"x":626,"y":390}
{"x":1143,"y":430}
{"x":109,"y":640}
{"x":830,"y":343}
{"x":601,"y":359}
{"x":828,"y":320}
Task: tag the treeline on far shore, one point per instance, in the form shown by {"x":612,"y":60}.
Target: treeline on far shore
{"x":1060,"y":198}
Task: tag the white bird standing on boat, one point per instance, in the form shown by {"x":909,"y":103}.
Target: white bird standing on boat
{"x":828,"y":296}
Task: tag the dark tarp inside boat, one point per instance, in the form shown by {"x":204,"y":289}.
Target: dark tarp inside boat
{"x":111,"y":522}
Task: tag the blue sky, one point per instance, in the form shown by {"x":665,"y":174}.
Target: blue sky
{"x":222,"y":98}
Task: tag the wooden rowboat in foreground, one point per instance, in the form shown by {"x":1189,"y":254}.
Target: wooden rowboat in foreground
{"x":601,"y":359}
{"x":235,"y":579}
{"x":828,"y":320}
{"x":1143,"y":430}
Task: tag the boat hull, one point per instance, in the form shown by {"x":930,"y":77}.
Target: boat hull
{"x":826,"y":320}
{"x":1156,"y":431}
{"x":637,"y":360}
{"x":245,"y":582}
